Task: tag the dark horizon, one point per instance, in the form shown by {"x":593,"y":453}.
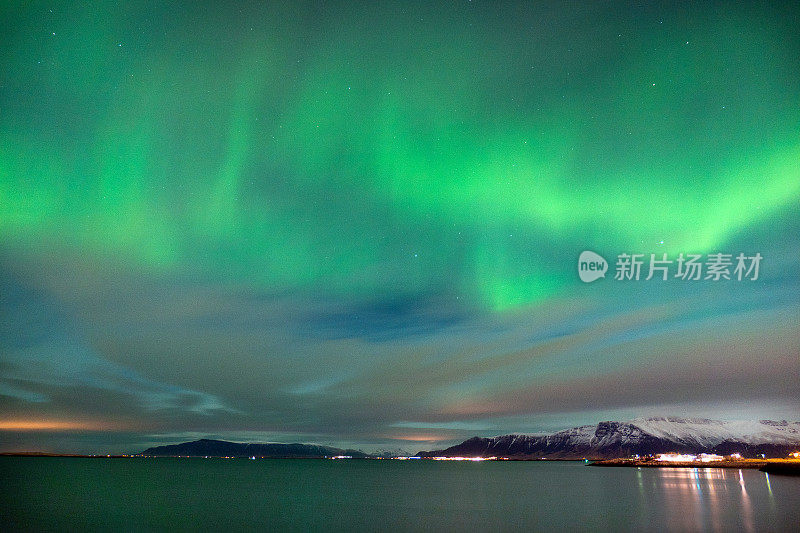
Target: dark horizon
{"x":386,"y":448}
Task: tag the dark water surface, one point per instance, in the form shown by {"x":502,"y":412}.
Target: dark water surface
{"x":347,"y":495}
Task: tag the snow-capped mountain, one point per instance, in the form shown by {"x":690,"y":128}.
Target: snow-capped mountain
{"x":640,"y":436}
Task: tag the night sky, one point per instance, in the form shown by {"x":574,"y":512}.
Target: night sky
{"x":360,"y":225}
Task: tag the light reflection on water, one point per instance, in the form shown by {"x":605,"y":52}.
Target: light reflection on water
{"x":359,"y":495}
{"x":693,"y":496}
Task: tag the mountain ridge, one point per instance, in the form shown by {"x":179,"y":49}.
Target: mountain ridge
{"x":640,"y":436}
{"x":222,"y":448}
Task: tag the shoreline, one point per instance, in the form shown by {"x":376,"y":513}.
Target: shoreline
{"x":767,"y":465}
{"x":770,"y":465}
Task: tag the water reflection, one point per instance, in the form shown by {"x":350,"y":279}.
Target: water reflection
{"x":708,"y":496}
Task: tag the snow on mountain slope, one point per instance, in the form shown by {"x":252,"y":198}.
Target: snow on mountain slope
{"x":709,"y":433}
{"x":641,"y":436}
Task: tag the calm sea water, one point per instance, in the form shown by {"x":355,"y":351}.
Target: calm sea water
{"x":347,"y":495}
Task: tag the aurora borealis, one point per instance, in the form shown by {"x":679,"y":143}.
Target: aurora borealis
{"x":359,"y":224}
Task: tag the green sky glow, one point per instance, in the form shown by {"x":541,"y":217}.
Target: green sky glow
{"x":299,"y":155}
{"x":428,"y":164}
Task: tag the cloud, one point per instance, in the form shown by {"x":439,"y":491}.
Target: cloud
{"x":200,"y":356}
{"x":69,"y":365}
{"x":44,"y":356}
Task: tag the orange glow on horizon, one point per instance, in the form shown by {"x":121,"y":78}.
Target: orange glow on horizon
{"x":57,"y":425}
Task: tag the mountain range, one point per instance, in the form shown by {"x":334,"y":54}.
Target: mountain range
{"x":641,"y":436}
{"x":606,"y":440}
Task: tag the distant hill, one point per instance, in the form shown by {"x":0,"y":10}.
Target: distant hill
{"x":642,"y":436}
{"x":221,"y":448}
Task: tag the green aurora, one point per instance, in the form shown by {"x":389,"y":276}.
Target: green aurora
{"x":461,"y":154}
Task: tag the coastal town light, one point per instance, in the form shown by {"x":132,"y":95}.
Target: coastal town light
{"x":463,"y":458}
{"x":676,"y":457}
